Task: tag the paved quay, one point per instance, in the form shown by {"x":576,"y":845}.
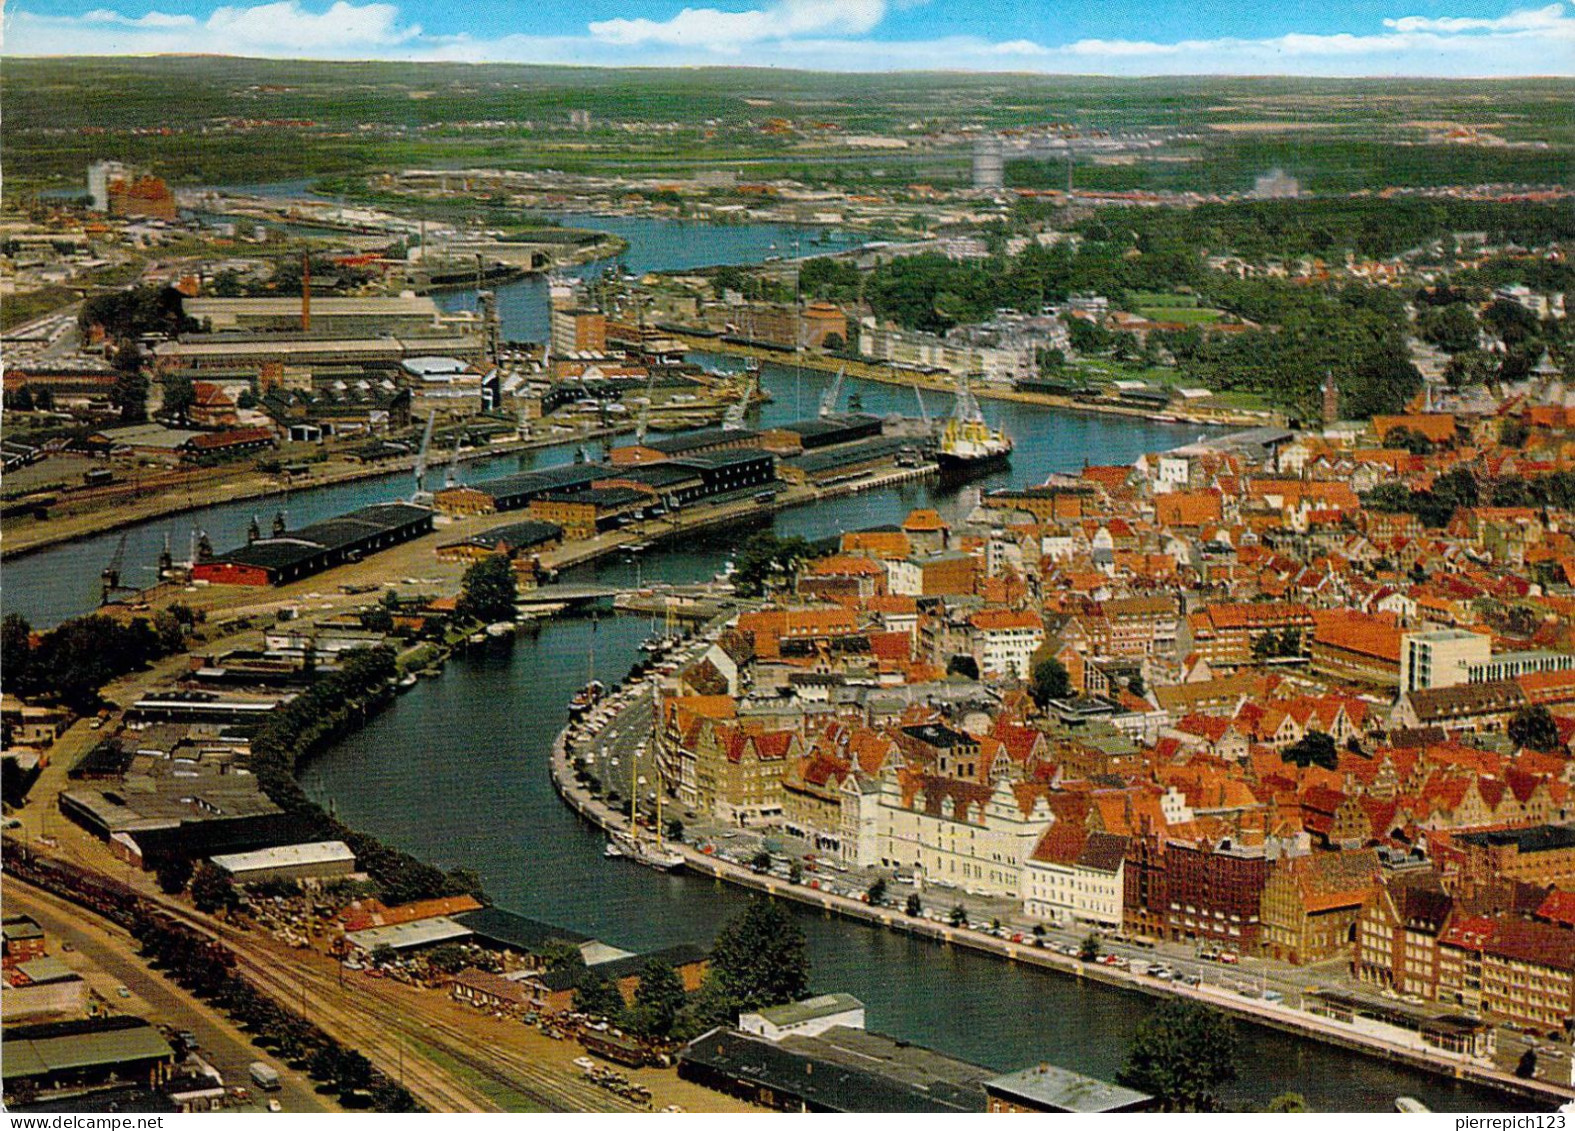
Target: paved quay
{"x":619,"y":745}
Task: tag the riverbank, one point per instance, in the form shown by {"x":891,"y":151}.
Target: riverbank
{"x":24,"y":536}
{"x":1276,"y":1016}
{"x":881,"y":374}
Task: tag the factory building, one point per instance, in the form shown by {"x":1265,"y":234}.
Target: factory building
{"x":320,"y":860}
{"x":688,"y":444}
{"x":291,"y":555}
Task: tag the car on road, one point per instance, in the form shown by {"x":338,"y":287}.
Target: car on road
{"x":122,"y":991}
{"x":275,"y":1105}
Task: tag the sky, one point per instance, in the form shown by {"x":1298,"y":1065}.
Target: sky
{"x":1447,"y":38}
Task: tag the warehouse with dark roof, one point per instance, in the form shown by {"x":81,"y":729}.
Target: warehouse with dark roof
{"x":291,"y":555}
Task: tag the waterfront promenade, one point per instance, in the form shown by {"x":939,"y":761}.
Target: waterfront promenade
{"x":1397,"y":1046}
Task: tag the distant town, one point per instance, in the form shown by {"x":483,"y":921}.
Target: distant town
{"x":1166,"y":587}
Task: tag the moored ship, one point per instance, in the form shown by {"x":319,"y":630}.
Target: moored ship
{"x":966,"y":442}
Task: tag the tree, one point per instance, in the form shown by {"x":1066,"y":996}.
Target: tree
{"x":959,"y":915}
{"x":1182,"y":1054}
{"x":964,"y":665}
{"x":16,"y":649}
{"x":597,"y":995}
{"x":1288,"y":1103}
{"x":760,"y":957}
{"x":1088,"y":950}
{"x":877,"y":892}
{"x":1049,"y":680}
{"x":212,"y":890}
{"x":833,"y":343}
{"x":1533,"y":727}
{"x":450,"y":958}
{"x":129,"y":393}
{"x":180,"y":394}
{"x":675,"y":830}
{"x":659,"y":997}
{"x":913,"y":907}
{"x":761,"y":861}
{"x":488,"y":591}
{"x":1526,"y":1068}
{"x":1313,"y":749}
{"x":383,"y":955}
{"x":174,"y":873}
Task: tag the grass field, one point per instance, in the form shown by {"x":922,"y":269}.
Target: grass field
{"x":196,"y":120}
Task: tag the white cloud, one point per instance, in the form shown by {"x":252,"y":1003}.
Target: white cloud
{"x":152,"y":19}
{"x":1524,"y":19}
{"x":728,"y":31}
{"x":813,"y":34}
{"x":281,"y":29}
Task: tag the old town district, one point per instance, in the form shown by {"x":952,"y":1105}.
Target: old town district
{"x":1216,"y":698}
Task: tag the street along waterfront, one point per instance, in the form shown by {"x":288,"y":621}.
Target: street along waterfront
{"x":456,"y":771}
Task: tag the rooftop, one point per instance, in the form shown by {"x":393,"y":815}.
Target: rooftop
{"x":1047,"y":1086}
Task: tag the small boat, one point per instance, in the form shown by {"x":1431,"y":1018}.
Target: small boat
{"x":586,"y":698}
{"x":407,"y":682}
{"x":611,"y":851}
{"x":500,"y":628}
{"x":1410,"y":1105}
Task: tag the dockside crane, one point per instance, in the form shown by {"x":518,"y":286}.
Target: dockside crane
{"x":109,"y":578}
{"x":422,"y":495}
{"x":733,"y":418}
{"x":828,"y":401}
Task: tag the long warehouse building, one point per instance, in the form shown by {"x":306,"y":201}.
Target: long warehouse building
{"x":292,"y":555}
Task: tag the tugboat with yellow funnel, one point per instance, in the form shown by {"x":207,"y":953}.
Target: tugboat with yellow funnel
{"x":967,"y":444}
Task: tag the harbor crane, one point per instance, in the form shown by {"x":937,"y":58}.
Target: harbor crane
{"x":645,"y":410}
{"x":422,"y":495}
{"x":828,"y":401}
{"x":733,"y":418}
{"x":109,"y":578}
{"x":451,"y":476}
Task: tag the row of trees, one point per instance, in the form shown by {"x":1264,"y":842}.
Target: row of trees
{"x":333,"y":703}
{"x":73,"y":662}
{"x":208,"y":969}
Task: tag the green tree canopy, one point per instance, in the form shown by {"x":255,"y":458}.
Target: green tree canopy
{"x":659,"y":997}
{"x":488,"y":591}
{"x":761,"y":958}
{"x":1048,"y":680}
{"x":1182,"y":1054}
{"x":1534,"y":728}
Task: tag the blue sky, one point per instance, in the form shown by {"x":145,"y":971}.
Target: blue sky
{"x":1124,"y":37}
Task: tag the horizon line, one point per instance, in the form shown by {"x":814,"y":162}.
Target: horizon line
{"x":690,"y":67}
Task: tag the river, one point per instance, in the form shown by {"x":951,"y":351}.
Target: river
{"x":456,"y":770}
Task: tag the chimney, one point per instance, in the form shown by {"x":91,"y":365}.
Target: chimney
{"x":306,"y":293}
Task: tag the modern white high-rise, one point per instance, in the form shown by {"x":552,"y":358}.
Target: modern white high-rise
{"x":1441,"y":658}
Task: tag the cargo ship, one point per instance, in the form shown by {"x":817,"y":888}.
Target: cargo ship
{"x":966,"y":442}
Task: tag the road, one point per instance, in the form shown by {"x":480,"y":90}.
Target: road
{"x":106,"y":957}
{"x":618,"y":752}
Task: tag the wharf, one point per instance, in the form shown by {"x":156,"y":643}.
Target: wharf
{"x":178,"y":494}
{"x":864,"y":371}
{"x":1275,"y":1016}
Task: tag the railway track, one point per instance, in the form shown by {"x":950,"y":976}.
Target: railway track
{"x":370,"y":1012}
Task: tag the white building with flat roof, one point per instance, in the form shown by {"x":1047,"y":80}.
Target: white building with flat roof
{"x":316,"y":861}
{"x":1441,"y":658}
{"x":807,"y":1018}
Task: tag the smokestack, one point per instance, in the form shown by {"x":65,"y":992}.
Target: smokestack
{"x":306,"y":293}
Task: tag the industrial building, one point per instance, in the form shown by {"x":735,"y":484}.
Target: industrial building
{"x":511,"y":540}
{"x":77,"y":1053}
{"x":393,"y":314}
{"x":319,"y":860}
{"x":688,"y":444}
{"x":291,"y":555}
{"x":1044,"y":1087}
{"x":253,"y":351}
{"x":842,"y":1069}
{"x":820,"y":432}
